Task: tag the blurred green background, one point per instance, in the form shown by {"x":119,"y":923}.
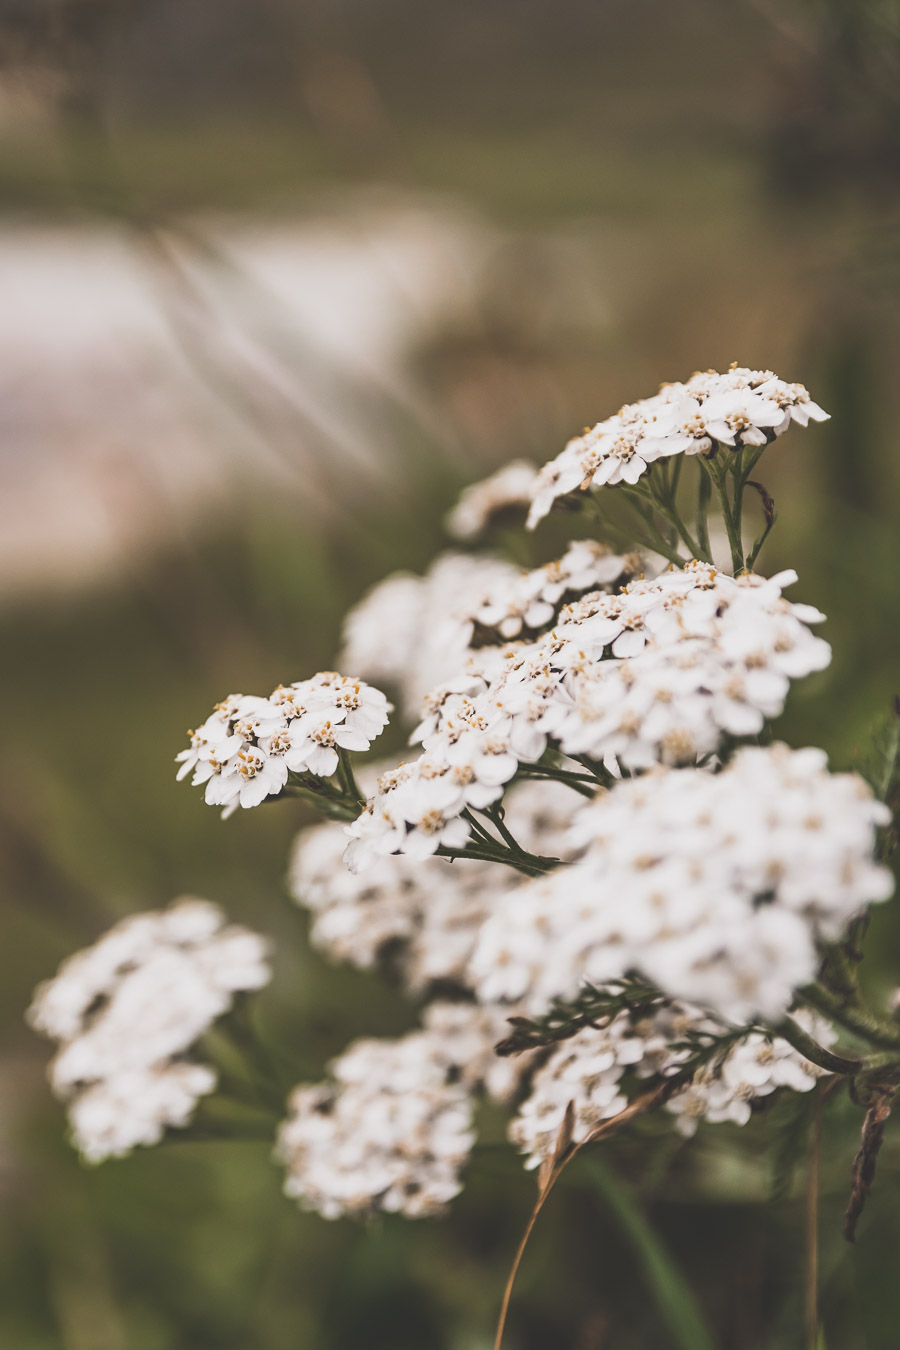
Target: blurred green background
{"x":278,"y":277}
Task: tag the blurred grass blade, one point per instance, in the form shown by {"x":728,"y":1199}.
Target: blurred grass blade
{"x":674,"y":1298}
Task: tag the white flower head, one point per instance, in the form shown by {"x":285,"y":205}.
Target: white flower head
{"x":249,"y":746}
{"x":740,"y":407}
{"x":715,"y":887}
{"x":126,"y":1011}
{"x":504,"y":491}
{"x":391,"y":1131}
{"x":421,"y":915}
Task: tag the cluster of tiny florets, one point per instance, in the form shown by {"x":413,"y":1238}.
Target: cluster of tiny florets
{"x":249,"y":746}
{"x":586,"y":1075}
{"x":660,"y":670}
{"x":739,"y":408}
{"x":410,"y":633}
{"x":502,"y":493}
{"x":127,"y":1010}
{"x":421,"y":916}
{"x":391,"y":1130}
{"x":716,"y":887}
{"x":684,"y":896}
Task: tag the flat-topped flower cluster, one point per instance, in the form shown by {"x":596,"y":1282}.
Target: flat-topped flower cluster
{"x":248,"y":747}
{"x":127,"y":1011}
{"x":658,"y":671}
{"x":717,"y":888}
{"x":600,"y":725}
{"x":741,"y":407}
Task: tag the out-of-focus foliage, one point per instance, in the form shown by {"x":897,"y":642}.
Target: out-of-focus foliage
{"x":660,"y":186}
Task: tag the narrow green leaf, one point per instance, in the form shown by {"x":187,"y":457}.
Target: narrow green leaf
{"x":673,"y":1296}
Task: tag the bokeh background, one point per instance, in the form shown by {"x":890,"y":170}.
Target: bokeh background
{"x":277,"y":277}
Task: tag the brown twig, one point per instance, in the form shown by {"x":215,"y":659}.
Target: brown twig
{"x":867,"y":1156}
{"x":563,"y":1153}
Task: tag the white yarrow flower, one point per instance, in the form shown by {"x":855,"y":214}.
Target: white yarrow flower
{"x":391,"y":1131}
{"x":248,"y":748}
{"x":715,"y":887}
{"x":737,"y":408}
{"x":125,"y":1012}
{"x":503,"y":491}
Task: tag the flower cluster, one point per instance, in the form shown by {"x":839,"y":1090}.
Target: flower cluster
{"x":407,"y":633}
{"x":415,"y":633}
{"x":665,"y":925}
{"x":585,"y":1075}
{"x":532,"y":600}
{"x":391,"y":1131}
{"x":757,"y":1066}
{"x":248,"y":747}
{"x":738,"y":408}
{"x":501,"y":493}
{"x":716,"y":887}
{"x":127,"y":1010}
{"x":424,"y":915}
{"x":660,"y":670}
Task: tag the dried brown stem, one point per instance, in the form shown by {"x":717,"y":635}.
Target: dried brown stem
{"x":867,"y":1156}
{"x":555,"y":1165}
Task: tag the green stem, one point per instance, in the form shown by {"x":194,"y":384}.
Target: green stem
{"x":793,"y":1033}
{"x":495,"y":814}
{"x":347,"y":779}
{"x":484,"y":835}
{"x":664,"y":502}
{"x":655,"y":541}
{"x":759,"y":541}
{"x":597,"y":771}
{"x":676,"y":474}
{"x":667,"y":1286}
{"x":578,"y":782}
{"x":717,"y":475}
{"x":855,"y":1019}
{"x":739,"y":476}
{"x":704,"y":492}
{"x":529,"y":863}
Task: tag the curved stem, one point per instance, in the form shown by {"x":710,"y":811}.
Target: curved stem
{"x":529,"y":863}
{"x":635,"y":498}
{"x":854,"y":1019}
{"x":577,"y":782}
{"x":793,"y":1033}
{"x":495,"y":815}
{"x":479,"y":829}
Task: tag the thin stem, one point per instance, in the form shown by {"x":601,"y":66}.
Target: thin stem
{"x":665,"y":504}
{"x":759,"y":541}
{"x":557,"y":1165}
{"x":347,"y":779}
{"x":317,"y":795}
{"x":529,"y":863}
{"x":634,"y":497}
{"x":598,"y":772}
{"x":495,"y":815}
{"x":704,"y":492}
{"x":576,"y":782}
{"x":676,"y":474}
{"x":717,"y":475}
{"x":739,"y":475}
{"x":793,"y":1033}
{"x":479,"y":829}
{"x":858,"y":1020}
{"x":671,"y":511}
